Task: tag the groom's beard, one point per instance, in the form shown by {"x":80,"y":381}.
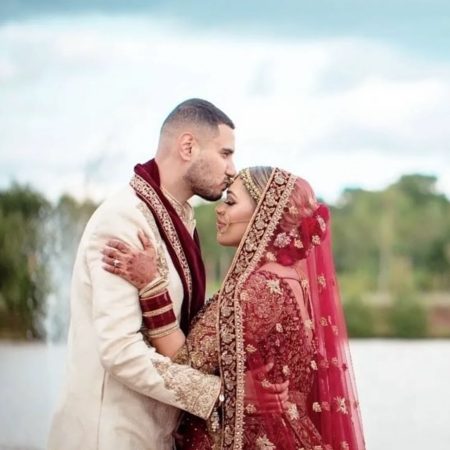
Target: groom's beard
{"x":202,"y":183}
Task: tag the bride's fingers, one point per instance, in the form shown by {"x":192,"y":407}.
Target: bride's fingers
{"x":119,"y":245}
{"x":277,"y":388}
{"x":273,"y":398}
{"x":108,"y":265}
{"x":110,"y":261}
{"x":283,"y":397}
{"x":111,"y":252}
{"x":145,"y":240}
{"x":273,"y":407}
{"x":112,"y":269}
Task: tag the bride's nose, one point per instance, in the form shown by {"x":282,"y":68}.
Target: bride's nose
{"x":220,"y":209}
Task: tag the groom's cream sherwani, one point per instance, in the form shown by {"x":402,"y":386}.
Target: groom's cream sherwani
{"x":119,"y":394}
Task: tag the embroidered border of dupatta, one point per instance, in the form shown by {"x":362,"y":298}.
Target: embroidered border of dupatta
{"x":231,"y":337}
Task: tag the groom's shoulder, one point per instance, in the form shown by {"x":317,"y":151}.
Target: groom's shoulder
{"x":121,"y":204}
{"x":124,"y":200}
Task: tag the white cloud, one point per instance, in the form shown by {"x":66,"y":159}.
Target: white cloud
{"x":83,"y":99}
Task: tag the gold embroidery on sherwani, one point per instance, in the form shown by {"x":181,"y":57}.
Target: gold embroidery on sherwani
{"x":146,"y":191}
{"x":196,"y":392}
{"x":161,"y":262}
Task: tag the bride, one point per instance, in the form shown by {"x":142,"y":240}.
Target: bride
{"x":278,"y":307}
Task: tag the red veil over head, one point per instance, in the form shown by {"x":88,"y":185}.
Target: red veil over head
{"x":263,"y":317}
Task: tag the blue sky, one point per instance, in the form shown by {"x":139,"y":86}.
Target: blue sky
{"x":343,"y":93}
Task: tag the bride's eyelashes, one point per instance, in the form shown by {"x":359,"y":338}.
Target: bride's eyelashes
{"x":229,"y":202}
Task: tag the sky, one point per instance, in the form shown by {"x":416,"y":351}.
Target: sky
{"x":344,"y":94}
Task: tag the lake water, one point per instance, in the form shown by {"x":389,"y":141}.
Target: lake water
{"x":404,"y":390}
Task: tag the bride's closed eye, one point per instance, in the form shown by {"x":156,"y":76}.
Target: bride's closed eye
{"x":229,"y":202}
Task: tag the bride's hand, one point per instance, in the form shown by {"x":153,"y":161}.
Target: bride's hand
{"x":268,"y":397}
{"x":138,"y":267}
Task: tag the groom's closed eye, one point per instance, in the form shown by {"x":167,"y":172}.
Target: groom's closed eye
{"x":227,"y":152}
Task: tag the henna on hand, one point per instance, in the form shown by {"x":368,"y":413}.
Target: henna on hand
{"x":138,"y":267}
{"x":141,"y":269}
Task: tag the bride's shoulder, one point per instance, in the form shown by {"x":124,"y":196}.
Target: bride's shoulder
{"x":276,"y":269}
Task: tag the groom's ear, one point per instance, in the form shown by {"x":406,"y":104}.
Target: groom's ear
{"x":187,"y":144}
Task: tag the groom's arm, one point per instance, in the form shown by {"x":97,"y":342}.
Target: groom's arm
{"x":117,"y":320}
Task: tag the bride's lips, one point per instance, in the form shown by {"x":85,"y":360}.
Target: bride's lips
{"x":220,"y":225}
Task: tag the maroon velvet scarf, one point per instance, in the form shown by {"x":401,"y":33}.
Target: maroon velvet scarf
{"x":183,"y":249}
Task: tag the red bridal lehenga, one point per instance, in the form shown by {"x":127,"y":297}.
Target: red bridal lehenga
{"x":279,"y":303}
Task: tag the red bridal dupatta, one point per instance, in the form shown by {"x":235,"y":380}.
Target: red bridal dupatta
{"x":263,"y":317}
{"x":183,"y":248}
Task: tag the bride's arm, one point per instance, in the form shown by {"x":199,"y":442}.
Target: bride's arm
{"x":140,"y":268}
{"x":169,"y":345}
{"x":162,"y":327}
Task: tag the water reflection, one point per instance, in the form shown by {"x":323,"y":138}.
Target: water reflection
{"x":403,"y":389}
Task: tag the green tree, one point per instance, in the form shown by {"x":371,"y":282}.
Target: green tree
{"x":217,"y":258}
{"x":23,"y":277}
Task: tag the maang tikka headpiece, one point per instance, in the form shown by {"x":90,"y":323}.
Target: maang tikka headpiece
{"x":250,"y":185}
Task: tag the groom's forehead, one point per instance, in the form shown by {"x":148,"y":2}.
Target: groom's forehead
{"x":226,"y":136}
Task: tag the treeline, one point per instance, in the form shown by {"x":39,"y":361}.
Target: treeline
{"x":392,"y":253}
{"x":38,"y":241}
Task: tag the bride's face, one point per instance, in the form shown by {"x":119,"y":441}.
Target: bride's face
{"x":234,"y":214}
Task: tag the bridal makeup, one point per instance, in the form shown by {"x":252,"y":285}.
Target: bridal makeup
{"x":234,"y":214}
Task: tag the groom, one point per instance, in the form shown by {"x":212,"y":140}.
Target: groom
{"x":119,"y":393}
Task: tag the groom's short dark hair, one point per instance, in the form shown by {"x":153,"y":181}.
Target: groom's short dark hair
{"x":198,"y":112}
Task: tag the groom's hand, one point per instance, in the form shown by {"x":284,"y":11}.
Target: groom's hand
{"x":263,"y":397}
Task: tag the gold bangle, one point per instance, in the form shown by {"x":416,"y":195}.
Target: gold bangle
{"x":159,"y":311}
{"x":154,"y":292}
{"x":155,"y":284}
{"x":163,"y":331}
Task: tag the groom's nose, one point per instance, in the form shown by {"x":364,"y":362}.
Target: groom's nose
{"x":230,"y":170}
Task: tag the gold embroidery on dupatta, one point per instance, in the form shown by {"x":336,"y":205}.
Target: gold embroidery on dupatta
{"x":274,"y":286}
{"x":146,"y":191}
{"x":341,"y":405}
{"x":321,"y":280}
{"x":263,"y":443}
{"x":182,"y":356}
{"x":195,"y":391}
{"x":252,"y":249}
{"x":316,"y":407}
{"x":292,"y":411}
{"x":202,"y":341}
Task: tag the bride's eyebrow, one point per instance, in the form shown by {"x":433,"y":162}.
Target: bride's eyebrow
{"x":230,"y":192}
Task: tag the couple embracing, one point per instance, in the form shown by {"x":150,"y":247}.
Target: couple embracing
{"x":264,"y":364}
